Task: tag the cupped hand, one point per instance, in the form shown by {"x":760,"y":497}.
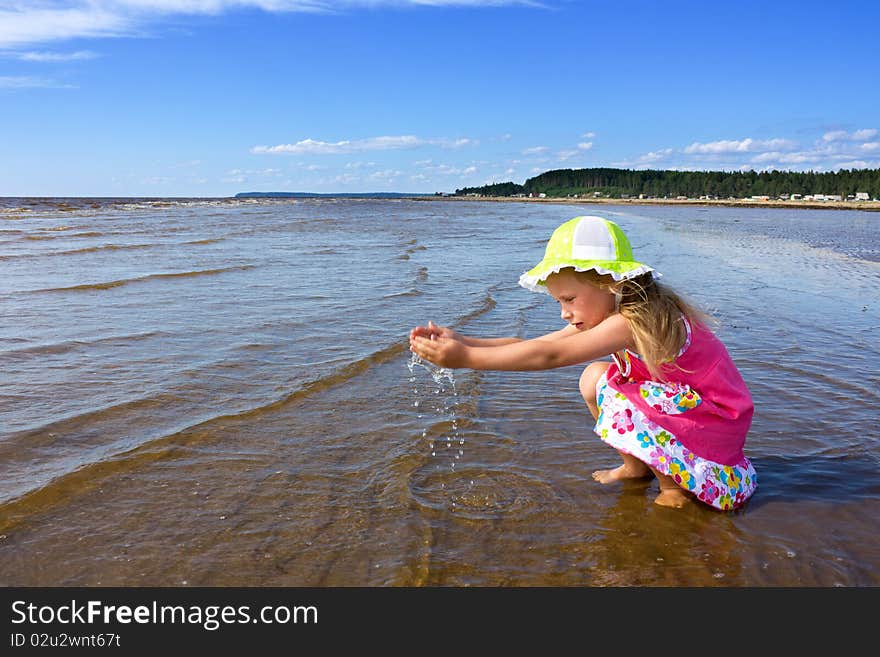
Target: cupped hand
{"x":441,"y":351}
{"x":432,"y":332}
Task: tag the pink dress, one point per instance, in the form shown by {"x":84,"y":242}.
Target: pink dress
{"x":692,"y":426}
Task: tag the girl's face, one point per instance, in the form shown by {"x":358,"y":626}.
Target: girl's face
{"x":582,"y":304}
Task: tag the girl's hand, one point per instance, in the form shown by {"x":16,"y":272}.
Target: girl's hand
{"x":432,"y":331}
{"x":443,"y":352}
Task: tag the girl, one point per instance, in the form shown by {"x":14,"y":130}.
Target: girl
{"x":671,"y":402}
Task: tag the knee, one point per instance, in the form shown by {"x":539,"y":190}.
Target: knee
{"x":589,"y":378}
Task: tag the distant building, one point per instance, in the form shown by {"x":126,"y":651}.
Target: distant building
{"x":862,"y":196}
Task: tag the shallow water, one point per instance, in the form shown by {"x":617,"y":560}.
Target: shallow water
{"x":219,"y":392}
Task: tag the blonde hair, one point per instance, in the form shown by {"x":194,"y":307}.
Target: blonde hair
{"x":654,"y":314}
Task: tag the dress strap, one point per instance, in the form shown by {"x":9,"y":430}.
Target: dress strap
{"x":625,"y":366}
{"x":687,"y":340}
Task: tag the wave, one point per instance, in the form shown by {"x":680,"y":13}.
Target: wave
{"x":408,"y":293}
{"x":88,"y":233}
{"x":71,"y":345}
{"x":485,"y":306}
{"x":91,"y":287}
{"x":210,"y":240}
{"x":89,"y":249}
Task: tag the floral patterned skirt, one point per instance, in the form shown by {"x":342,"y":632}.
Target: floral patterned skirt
{"x":626,"y":428}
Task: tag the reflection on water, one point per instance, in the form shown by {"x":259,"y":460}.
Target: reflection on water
{"x":219,"y":392}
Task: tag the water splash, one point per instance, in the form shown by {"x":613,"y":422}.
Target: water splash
{"x":437,"y":373}
{"x":439,"y":401}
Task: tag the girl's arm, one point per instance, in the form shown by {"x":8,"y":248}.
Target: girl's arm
{"x":612,"y":334}
{"x":433,"y":331}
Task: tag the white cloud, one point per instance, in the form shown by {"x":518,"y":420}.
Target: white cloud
{"x":456,"y":143}
{"x":856,"y":164}
{"x":585,"y":146}
{"x":831,"y":151}
{"x":835,"y":135}
{"x":445,"y":169}
{"x":389,"y":175}
{"x":565,"y":155}
{"x":186,"y":165}
{"x":589,"y":135}
{"x":536,"y":150}
{"x":27,"y":82}
{"x":313,"y":147}
{"x":747,"y":145}
{"x":787,"y":158}
{"x":41,"y":21}
{"x":79,"y":55}
{"x":655,"y":156}
{"x":38,"y":22}
{"x":843,"y":135}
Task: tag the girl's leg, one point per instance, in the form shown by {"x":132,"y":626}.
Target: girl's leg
{"x":671,"y":494}
{"x":632,"y":467}
{"x":587,"y":385}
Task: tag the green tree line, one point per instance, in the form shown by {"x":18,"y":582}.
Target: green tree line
{"x":616,"y":183}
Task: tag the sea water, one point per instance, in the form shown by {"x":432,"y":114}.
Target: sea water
{"x":219,"y":392}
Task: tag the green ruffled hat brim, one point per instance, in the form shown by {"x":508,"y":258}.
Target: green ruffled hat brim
{"x":535,"y":279}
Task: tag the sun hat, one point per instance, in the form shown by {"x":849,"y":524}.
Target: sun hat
{"x":586,"y":243}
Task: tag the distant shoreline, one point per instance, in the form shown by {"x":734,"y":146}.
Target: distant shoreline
{"x":22,"y":204}
{"x":867,"y":206}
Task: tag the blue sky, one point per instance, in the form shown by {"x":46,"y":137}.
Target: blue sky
{"x":214,"y":97}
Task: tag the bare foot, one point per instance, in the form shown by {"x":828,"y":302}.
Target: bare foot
{"x":672,"y":497}
{"x":626,"y":471}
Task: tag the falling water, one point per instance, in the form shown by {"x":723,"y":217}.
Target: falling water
{"x":439,"y":401}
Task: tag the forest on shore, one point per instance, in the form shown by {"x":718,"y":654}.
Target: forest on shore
{"x":653,"y":183}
